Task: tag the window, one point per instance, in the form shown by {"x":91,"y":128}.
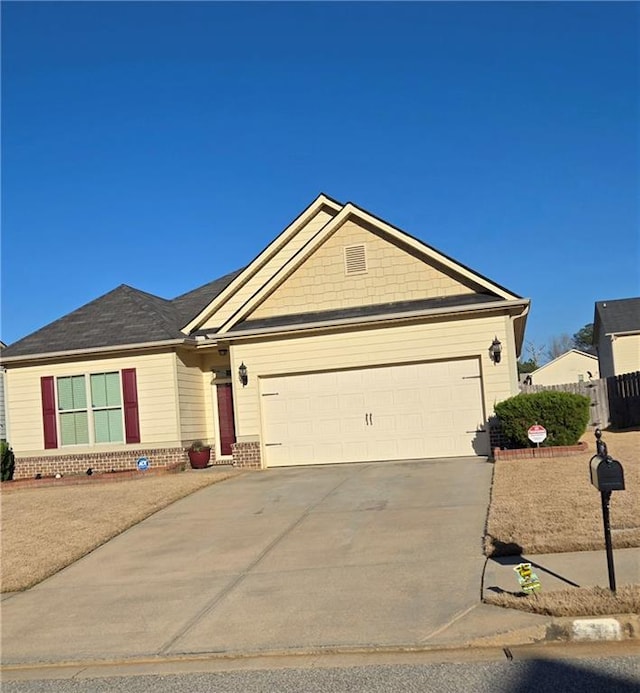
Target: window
{"x":101,"y":421}
{"x":106,"y":402}
{"x":72,"y":405}
{"x":89,"y":409}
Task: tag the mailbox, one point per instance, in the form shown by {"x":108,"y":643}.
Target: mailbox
{"x":606,"y":474}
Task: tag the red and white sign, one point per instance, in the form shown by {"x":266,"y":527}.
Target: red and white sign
{"x":537,"y":433}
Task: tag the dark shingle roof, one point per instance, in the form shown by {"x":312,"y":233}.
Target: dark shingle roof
{"x":188,"y":305}
{"x":122,"y":316}
{"x":397,"y":307}
{"x":613,"y":317}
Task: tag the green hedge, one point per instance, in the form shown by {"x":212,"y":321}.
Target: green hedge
{"x":8,"y":460}
{"x":563,"y":414}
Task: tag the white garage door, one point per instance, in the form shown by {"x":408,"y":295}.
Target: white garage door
{"x":388,"y":413}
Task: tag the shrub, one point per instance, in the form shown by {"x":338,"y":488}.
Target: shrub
{"x":563,"y":414}
{"x":8,"y":461}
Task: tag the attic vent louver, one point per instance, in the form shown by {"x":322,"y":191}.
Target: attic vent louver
{"x":355,"y":259}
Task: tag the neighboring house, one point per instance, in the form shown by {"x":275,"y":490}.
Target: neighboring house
{"x":616,"y":334}
{"x":571,"y":367}
{"x":3,"y":423}
{"x":345,"y":340}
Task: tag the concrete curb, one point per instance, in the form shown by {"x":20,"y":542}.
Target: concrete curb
{"x":605,"y":628}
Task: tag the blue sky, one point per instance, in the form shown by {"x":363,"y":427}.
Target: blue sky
{"x":162,"y":145}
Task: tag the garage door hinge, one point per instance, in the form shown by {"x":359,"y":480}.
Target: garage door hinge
{"x":270,"y":445}
{"x":270,"y":394}
{"x":471,"y":377}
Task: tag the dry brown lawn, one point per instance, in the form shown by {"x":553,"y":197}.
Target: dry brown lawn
{"x":550,"y":506}
{"x":45,"y":529}
{"x":586,"y":601}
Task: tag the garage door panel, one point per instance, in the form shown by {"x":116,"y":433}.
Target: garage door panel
{"x":396,"y":412}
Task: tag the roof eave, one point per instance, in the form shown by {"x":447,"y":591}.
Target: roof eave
{"x":93,"y":351}
{"x":520,"y":305}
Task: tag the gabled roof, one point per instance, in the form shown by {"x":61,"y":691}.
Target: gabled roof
{"x":563,"y":356}
{"x":280,"y":271}
{"x":616,"y":317}
{"x":277,"y":254}
{"x":128,"y":316}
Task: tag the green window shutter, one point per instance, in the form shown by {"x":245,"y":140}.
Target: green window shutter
{"x":74,"y":428}
{"x":108,"y":426}
{"x":101,"y":424}
{"x":82,"y":428}
{"x":115,"y":426}
{"x":98,"y":390}
{"x":105,"y":390}
{"x":79,"y":392}
{"x":112,"y":388}
{"x":65,"y":394}
{"x":67,"y":429}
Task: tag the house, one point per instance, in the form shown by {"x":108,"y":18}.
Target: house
{"x":3,"y":426}
{"x":616,"y":334}
{"x":344,"y":340}
{"x":573,"y":366}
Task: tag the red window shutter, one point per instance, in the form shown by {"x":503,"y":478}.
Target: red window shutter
{"x":130,"y":400}
{"x":47,"y":388}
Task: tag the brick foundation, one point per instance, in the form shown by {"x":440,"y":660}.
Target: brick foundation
{"x":122,"y":460}
{"x":246,"y":455}
{"x":537,"y":453}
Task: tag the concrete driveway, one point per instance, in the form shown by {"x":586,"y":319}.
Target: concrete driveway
{"x":381,"y":554}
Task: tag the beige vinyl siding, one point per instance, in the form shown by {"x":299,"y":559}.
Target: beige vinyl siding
{"x":605,"y":357}
{"x":568,"y":368}
{"x":157,"y":404}
{"x":268,"y":270}
{"x":192,"y":396}
{"x":626,"y":353}
{"x":392,"y":274}
{"x":385,"y":346}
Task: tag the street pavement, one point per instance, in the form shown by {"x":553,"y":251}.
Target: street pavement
{"x":370,"y":556}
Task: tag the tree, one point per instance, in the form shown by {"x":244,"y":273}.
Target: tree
{"x":535,"y":353}
{"x":583,"y":339}
{"x":559,"y":345}
{"x":527,"y":366}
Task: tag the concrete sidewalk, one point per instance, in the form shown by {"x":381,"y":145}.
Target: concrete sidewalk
{"x":561,"y":571}
{"x":365,"y":557}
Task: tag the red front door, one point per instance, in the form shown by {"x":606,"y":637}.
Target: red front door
{"x":226,"y":422}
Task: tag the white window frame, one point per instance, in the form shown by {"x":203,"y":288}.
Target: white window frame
{"x":90,"y":409}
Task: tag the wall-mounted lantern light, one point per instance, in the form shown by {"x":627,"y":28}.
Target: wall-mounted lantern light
{"x":242,"y":374}
{"x":495,"y":350}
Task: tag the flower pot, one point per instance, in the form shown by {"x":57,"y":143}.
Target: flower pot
{"x":199,"y":459}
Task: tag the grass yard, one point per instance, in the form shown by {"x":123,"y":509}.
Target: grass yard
{"x":550,"y":506}
{"x":45,"y":529}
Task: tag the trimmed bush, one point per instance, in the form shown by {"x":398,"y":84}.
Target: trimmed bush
{"x":8,"y":461}
{"x":563,"y":414}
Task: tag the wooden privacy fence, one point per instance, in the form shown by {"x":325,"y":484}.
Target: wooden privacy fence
{"x":624,"y":400}
{"x":615,"y":401}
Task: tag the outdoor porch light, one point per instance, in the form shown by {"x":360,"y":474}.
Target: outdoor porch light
{"x":496,"y":350}
{"x":223,"y":351}
{"x":242,"y":374}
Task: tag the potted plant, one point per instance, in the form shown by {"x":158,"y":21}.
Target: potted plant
{"x":199,"y":454}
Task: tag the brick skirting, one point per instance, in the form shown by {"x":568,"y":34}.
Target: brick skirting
{"x":98,"y":478}
{"x":529,"y":453}
{"x":246,"y":455}
{"x":122,"y":460}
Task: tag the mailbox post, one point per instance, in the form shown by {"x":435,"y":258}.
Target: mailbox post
{"x":607,"y":476}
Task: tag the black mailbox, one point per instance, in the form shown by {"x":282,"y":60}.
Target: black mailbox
{"x":606,"y":474}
